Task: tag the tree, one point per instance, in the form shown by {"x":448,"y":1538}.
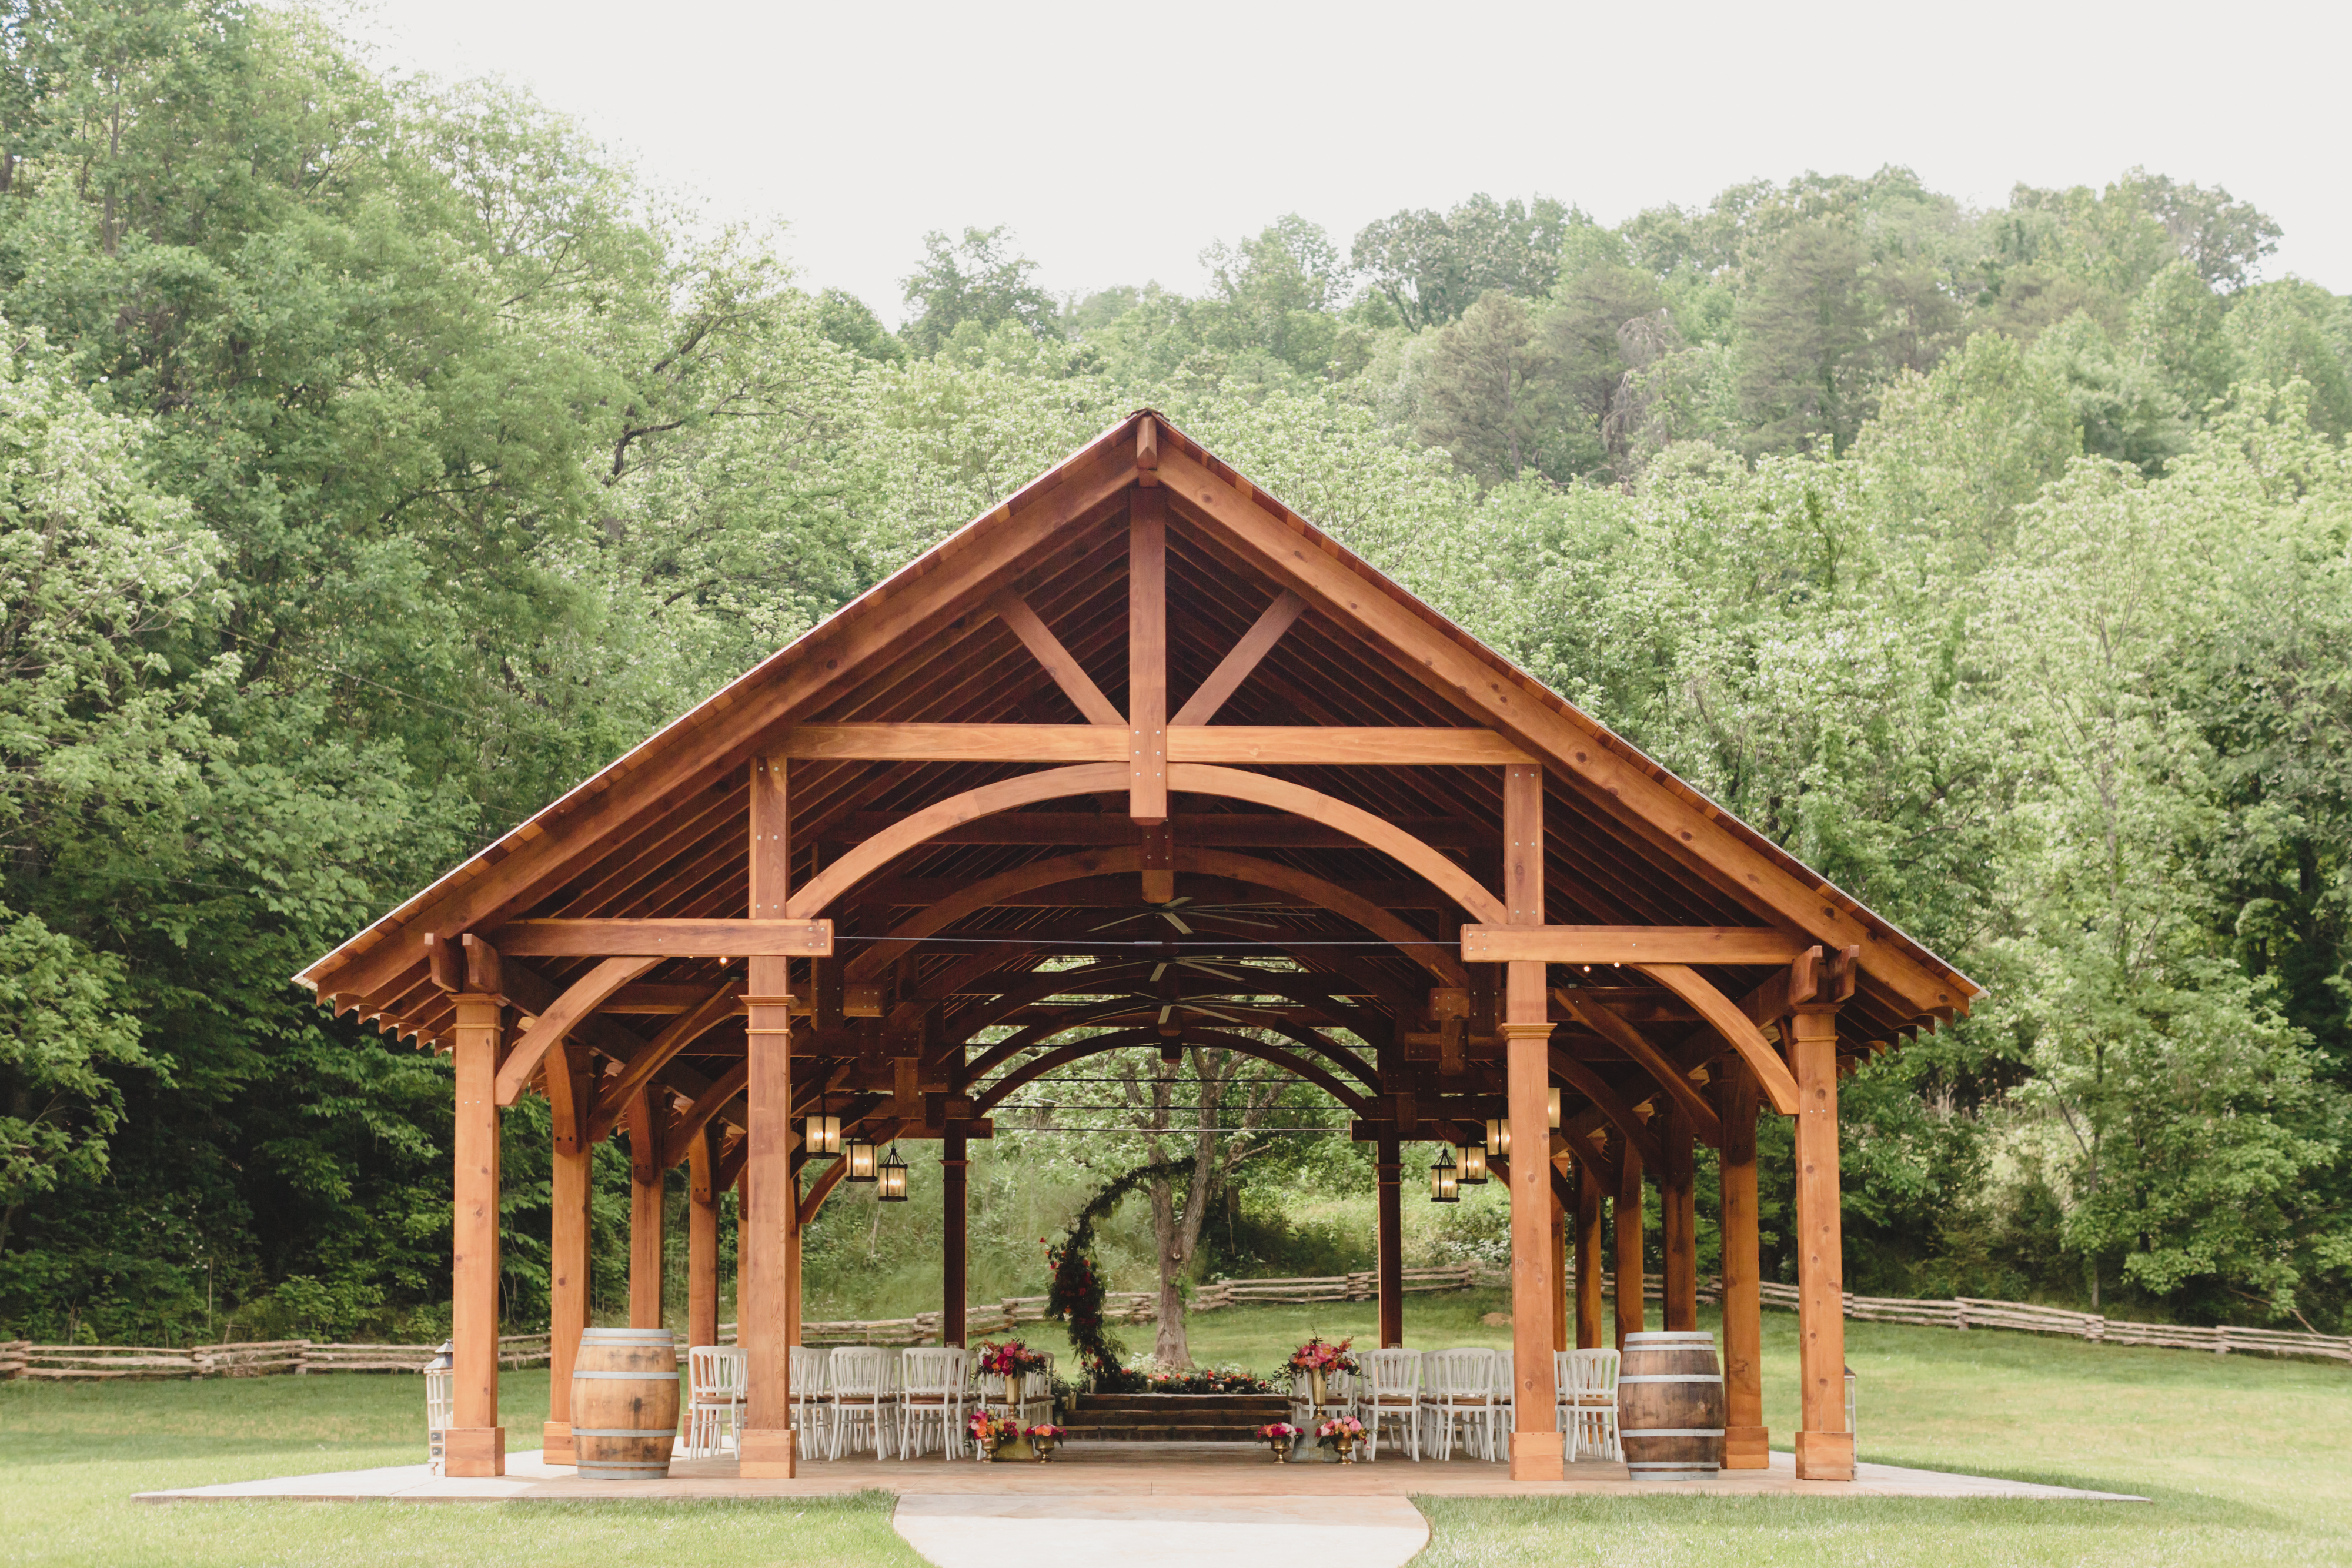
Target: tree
{"x":1492,"y":395}
{"x":977,"y":279}
{"x":1433,"y":268}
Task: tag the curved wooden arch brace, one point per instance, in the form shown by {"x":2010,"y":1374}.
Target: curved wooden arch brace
{"x":1104,"y":777}
{"x":1081,"y":1017}
{"x":1078,"y":1050}
{"x":914,"y":830}
{"x":580,"y":999}
{"x":709,"y":1103}
{"x":881,"y":954}
{"x":1234,"y":783}
{"x":1724,"y":1014}
{"x":1648,"y":1058}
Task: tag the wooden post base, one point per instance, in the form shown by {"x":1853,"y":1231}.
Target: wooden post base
{"x":768,"y":1456}
{"x":1825,"y":1455}
{"x":1535,"y":1457}
{"x":1747,"y":1449}
{"x":555,"y":1443}
{"x":474,"y":1452}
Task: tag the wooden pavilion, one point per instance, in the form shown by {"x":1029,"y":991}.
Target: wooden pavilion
{"x":1449,"y":895}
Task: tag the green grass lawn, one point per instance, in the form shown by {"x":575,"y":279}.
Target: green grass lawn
{"x":2245,"y":1458}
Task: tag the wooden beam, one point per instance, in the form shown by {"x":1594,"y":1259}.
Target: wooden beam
{"x":676,"y":1036}
{"x":1235,"y":666}
{"x":1498,"y":943}
{"x":1717,"y":1009}
{"x":578,"y":1001}
{"x":1222,"y":830}
{"x":666,"y":938}
{"x":1147,"y":653}
{"x":1647,"y":1057}
{"x":1048,"y":650}
{"x":1363,"y":745}
{"x":1147,"y":450}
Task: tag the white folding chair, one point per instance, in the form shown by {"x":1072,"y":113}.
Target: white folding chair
{"x":1588,"y":1402}
{"x":1506,"y":1401}
{"x":1037,"y":1394}
{"x":715,"y":1377}
{"x":1460,"y":1395}
{"x":812,"y":1391}
{"x":931,"y":1383}
{"x":439,"y":1399}
{"x":863,"y":1395}
{"x":1391,"y":1393}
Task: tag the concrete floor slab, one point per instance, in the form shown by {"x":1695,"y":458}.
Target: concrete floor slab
{"x":1215,"y":1471}
{"x":958,"y":1530}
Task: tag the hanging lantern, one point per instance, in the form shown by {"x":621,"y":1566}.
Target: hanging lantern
{"x":1473,"y":1166}
{"x":859,"y":1154}
{"x":1445,"y":1178}
{"x":1499,"y":1137}
{"x":890,"y":1184}
{"x":1553,"y":1101}
{"x":820,"y":1132}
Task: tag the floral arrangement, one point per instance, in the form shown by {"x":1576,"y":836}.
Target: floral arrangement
{"x":1346,"y":1428}
{"x":1319,"y":1355}
{"x":993,"y":1432}
{"x":1149,"y":1375}
{"x":1049,"y":1431}
{"x":1276,"y":1432}
{"x":1011,"y":1359}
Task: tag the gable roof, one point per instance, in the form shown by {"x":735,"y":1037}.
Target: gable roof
{"x":660,"y":829}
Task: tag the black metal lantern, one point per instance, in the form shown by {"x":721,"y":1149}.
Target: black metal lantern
{"x":1498,"y":1137}
{"x":859,"y":1156}
{"x":1445,"y":1178}
{"x":821,"y":1132}
{"x":890,"y":1178}
{"x":1473,"y":1166}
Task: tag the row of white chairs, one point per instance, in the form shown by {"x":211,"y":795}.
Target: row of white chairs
{"x":1429,"y":1399}
{"x":858,"y":1396}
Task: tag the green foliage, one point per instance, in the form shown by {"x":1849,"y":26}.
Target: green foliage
{"x":377,"y":459}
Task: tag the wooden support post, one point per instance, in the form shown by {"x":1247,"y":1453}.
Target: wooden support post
{"x":1147,"y":653}
{"x":1824,"y":1446}
{"x":1526,"y":1032}
{"x":646,"y":1203}
{"x":1678,"y":1223}
{"x":476,"y":1444}
{"x":1628,"y":1216}
{"x":702,"y":1241}
{"x":1744,"y":1440}
{"x":1560,"y":1224}
{"x":1590,"y":1257}
{"x":1388,"y":1170}
{"x":766,"y":1283}
{"x":954,"y":1220}
{"x":793,"y":1262}
{"x":570,"y":1093}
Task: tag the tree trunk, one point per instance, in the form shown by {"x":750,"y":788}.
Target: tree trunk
{"x":1172,"y":1345}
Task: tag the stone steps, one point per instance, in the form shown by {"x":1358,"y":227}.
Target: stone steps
{"x":1173,"y":1417}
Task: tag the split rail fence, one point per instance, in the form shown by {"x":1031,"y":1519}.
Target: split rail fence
{"x":22,"y":1359}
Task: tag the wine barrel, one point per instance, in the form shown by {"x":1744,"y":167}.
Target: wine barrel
{"x":1670,"y":1406}
{"x":625,"y":1404}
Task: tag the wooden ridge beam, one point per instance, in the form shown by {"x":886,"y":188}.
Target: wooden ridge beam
{"x":1639,"y":944}
{"x":666,"y":938}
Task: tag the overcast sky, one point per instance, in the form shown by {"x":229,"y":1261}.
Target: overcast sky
{"x":1118,"y":140}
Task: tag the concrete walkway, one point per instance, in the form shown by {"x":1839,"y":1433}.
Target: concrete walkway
{"x":1202,"y":1474}
{"x":956,"y":1530}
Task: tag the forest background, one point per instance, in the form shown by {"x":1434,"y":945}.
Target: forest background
{"x":379,"y":457}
